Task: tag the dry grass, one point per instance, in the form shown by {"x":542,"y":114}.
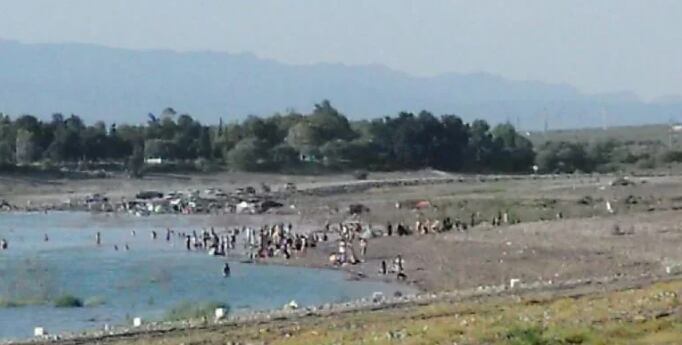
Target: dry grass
{"x":646,"y":316}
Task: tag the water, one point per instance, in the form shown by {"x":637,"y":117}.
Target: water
{"x":146,"y":281}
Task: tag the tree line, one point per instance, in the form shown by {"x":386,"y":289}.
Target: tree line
{"x":322,"y":139}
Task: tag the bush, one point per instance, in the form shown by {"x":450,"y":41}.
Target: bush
{"x":671,"y":156}
{"x":526,"y":336}
{"x":646,"y":163}
{"x":193,"y":310}
{"x":94,"y":302}
{"x":18,"y":303}
{"x":360,"y":175}
{"x":68,"y":301}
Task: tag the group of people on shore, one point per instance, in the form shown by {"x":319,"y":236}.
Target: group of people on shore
{"x":279,"y":240}
{"x":350,"y":233}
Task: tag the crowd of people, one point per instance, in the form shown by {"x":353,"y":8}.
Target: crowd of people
{"x":282,"y":241}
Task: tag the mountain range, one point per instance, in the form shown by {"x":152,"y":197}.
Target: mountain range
{"x":122,"y":85}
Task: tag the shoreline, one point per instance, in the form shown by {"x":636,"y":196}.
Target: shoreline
{"x":533,"y":292}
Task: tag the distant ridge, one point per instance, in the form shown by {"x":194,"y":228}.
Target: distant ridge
{"x":111,"y":84}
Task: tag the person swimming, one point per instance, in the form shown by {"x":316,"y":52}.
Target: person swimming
{"x":3,"y":244}
{"x":98,"y":238}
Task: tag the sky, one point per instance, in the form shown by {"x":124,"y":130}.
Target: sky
{"x":596,"y":45}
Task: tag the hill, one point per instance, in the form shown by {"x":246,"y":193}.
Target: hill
{"x":124,"y":85}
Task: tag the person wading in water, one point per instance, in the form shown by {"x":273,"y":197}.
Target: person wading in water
{"x":226,"y":270}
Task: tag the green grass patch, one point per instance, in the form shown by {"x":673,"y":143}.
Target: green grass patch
{"x":193,"y":310}
{"x":94,"y":301}
{"x":18,"y":303}
{"x":526,"y":336}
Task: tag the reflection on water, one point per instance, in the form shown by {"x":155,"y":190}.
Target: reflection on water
{"x":149,"y":279}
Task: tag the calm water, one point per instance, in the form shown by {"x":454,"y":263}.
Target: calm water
{"x":146,"y":281}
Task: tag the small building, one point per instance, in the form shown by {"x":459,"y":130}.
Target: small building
{"x":153,"y":160}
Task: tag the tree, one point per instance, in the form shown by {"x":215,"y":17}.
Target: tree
{"x":159,"y":148}
{"x":249,"y":155}
{"x":562,"y":157}
{"x":451,"y":147}
{"x":304,"y":135}
{"x":136,"y":162}
{"x":330,"y":123}
{"x":284,"y":156}
{"x":513,"y":152}
{"x":26,"y":149}
{"x":204,"y":146}
{"x":7,"y":141}
{"x":6,"y":153}
{"x":480,"y":149}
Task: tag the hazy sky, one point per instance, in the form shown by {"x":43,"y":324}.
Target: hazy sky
{"x":596,"y":45}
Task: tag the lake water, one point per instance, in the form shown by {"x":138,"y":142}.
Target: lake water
{"x":146,"y":281}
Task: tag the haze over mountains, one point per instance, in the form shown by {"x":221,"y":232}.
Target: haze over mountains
{"x":119,"y":85}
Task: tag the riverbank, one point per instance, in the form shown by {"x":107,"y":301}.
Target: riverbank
{"x":581,"y":244}
{"x":589,"y":230}
{"x":637,"y":311}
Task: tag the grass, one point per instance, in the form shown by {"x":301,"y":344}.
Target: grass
{"x":18,"y":303}
{"x":193,"y":311}
{"x":94,"y":301}
{"x":526,"y":336}
{"x":68,"y":301}
{"x":644,"y":316}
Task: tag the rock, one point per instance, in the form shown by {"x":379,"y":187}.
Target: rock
{"x":291,"y":305}
{"x":396,"y":335}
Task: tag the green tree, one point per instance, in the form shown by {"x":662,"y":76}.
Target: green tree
{"x":26,"y":148}
{"x":304,"y":136}
{"x":555,"y":157}
{"x":204,"y":144}
{"x":284,"y":156}
{"x":136,"y":162}
{"x":513,"y":152}
{"x":249,"y":154}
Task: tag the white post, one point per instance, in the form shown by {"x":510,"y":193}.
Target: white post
{"x":220,"y":314}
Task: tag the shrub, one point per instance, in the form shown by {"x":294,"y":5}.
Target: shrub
{"x":526,"y":336}
{"x":68,"y":301}
{"x":360,"y":175}
{"x":193,"y":310}
{"x":94,"y":302}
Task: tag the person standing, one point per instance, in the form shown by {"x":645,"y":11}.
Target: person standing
{"x":363,"y":248}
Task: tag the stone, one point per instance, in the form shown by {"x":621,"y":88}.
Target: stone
{"x":220,"y":314}
{"x":39,"y":332}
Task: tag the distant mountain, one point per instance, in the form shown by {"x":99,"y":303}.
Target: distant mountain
{"x":120,"y":85}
